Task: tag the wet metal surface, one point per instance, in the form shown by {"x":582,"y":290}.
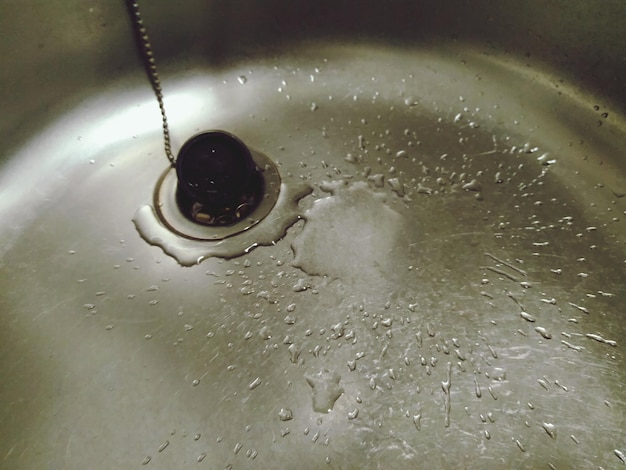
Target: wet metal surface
{"x":452,"y":296}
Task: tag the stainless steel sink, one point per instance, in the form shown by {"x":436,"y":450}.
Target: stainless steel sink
{"x":452,"y":295}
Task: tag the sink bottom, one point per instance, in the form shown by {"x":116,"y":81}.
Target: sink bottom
{"x":453,"y":294}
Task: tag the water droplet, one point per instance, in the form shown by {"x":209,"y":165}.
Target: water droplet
{"x":446,"y":390}
{"x":543,"y":332}
{"x":543,"y":383}
{"x":294,"y":353}
{"x":265,"y":333}
{"x":550,"y":429}
{"x":285,"y":414}
{"x":600,"y":339}
{"x":498,"y":373}
{"x":163,"y":446}
{"x":396,"y":186}
{"x":255,"y":383}
{"x":417,"y":421}
{"x":477,"y":389}
{"x":301,"y":285}
{"x":582,"y":309}
{"x":378,"y":180}
{"x":473,"y":185}
{"x":372,"y":383}
{"x":572,"y":346}
{"x":242,"y":79}
{"x":326,"y":389}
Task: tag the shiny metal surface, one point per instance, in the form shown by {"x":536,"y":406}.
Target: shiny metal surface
{"x":453,"y":296}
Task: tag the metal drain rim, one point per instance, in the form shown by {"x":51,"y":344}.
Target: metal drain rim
{"x":169,"y":214}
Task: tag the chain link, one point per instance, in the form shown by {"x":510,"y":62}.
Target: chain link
{"x":145,"y":49}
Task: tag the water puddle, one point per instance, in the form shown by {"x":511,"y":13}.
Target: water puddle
{"x":351,"y":235}
{"x":191,"y":252}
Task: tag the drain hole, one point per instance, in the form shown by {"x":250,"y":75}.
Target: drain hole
{"x":219,"y":188}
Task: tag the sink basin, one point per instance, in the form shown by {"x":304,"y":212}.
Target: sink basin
{"x":447,"y":289}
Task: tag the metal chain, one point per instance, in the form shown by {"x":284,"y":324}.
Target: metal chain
{"x":145,"y":49}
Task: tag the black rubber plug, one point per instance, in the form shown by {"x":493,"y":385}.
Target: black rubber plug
{"x":215,"y":169}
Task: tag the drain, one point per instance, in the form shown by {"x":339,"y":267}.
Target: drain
{"x":218,"y":183}
{"x":218,"y":189}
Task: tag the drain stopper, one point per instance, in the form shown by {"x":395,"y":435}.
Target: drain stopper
{"x":218,"y":181}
